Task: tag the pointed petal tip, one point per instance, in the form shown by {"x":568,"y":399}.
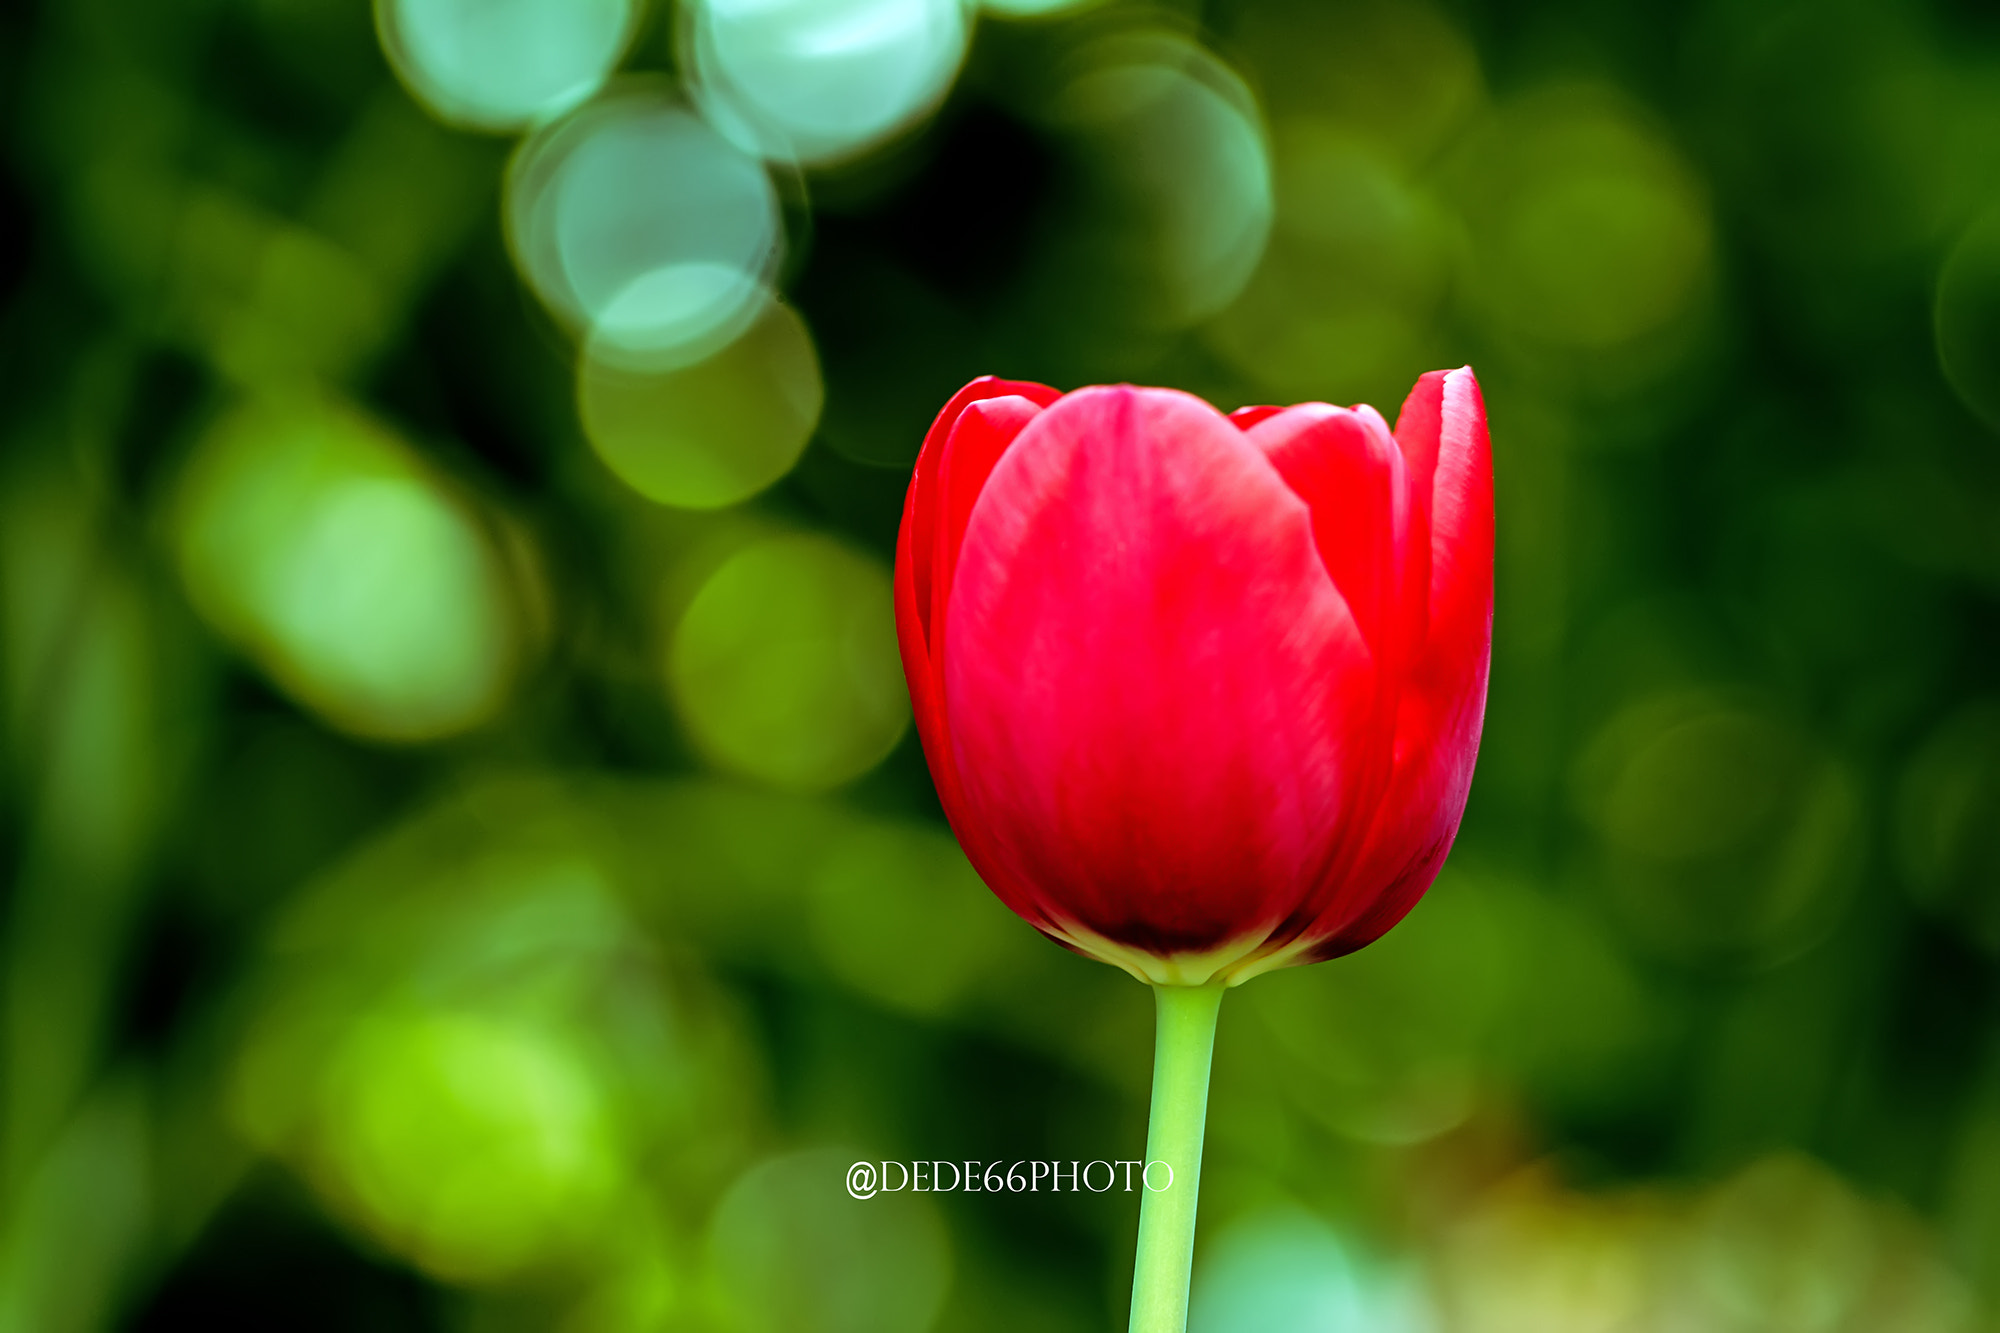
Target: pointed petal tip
{"x":1254,"y":414}
{"x":988,"y":386}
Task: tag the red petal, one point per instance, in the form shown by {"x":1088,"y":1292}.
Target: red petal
{"x":926,"y":699}
{"x":978,"y":438}
{"x":1443,"y":704}
{"x":918,"y":539}
{"x":1418,"y":427}
{"x":1462,"y":515}
{"x":1345,"y":465}
{"x":926,"y":514}
{"x":1246,"y":417}
{"x":1153,"y":689}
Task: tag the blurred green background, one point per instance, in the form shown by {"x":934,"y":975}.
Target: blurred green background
{"x":469,"y":867}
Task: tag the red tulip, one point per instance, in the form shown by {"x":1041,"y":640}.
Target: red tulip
{"x":1201,"y":694}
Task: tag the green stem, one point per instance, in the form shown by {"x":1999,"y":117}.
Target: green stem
{"x":1173,"y":1135}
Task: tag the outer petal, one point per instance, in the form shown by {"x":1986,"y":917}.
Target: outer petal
{"x":939,"y":497}
{"x":1151,"y":684}
{"x":916,"y":543}
{"x":978,"y":438}
{"x":1443,"y":434}
{"x":1462,"y":522}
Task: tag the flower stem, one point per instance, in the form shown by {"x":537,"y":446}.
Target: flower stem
{"x":1181,"y":1052}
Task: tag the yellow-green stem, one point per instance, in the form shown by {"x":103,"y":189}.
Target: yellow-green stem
{"x":1181,"y":1051}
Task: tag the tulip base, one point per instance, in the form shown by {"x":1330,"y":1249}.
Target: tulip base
{"x":1181,"y":1055}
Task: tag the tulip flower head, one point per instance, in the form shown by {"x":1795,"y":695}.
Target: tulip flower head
{"x":1201,"y":693}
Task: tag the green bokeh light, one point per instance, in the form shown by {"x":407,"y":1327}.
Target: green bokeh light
{"x":713,"y":433}
{"x":1283,"y":1268}
{"x":471,"y":1052}
{"x":1728,"y":832}
{"x":1785,"y":1244}
{"x":784,"y":667}
{"x":640,"y":227}
{"x":312,"y":538}
{"x":503,"y":64}
{"x":1589,"y":229}
{"x":1031,"y":9}
{"x":792,"y":1253}
{"x":1175,"y":157}
{"x":1349,"y":292}
{"x":900,"y":915}
{"x":476,"y":1146}
{"x":1484,"y":975}
{"x":1782,"y":1243}
{"x":816,"y":81}
{"x":1397,"y":74}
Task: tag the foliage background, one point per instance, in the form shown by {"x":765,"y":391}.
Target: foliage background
{"x":449,"y":889}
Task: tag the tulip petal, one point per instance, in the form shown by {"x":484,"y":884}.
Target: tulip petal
{"x":978,"y":438}
{"x":1243,"y":418}
{"x":1444,"y":703}
{"x":926,"y":697}
{"x":925,"y":515}
{"x":1153,"y":689}
{"x":1345,"y":465}
{"x":1420,"y":426}
{"x":1462,"y":514}
{"x":918,"y":539}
